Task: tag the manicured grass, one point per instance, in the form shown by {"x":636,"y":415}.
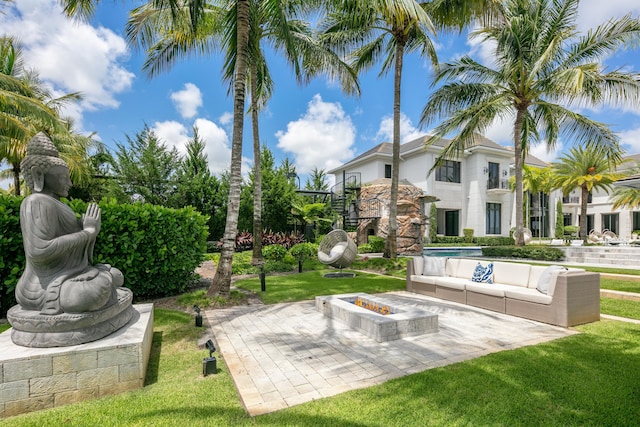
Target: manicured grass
{"x":308,"y":285}
{"x":588,"y":379}
{"x":4,"y":327}
{"x":620,"y":307}
{"x":620,"y":285}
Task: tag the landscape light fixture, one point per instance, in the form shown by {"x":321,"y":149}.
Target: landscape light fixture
{"x":209,"y":363}
{"x":198,"y":315}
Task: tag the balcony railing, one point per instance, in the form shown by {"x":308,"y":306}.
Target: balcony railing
{"x":497,"y":184}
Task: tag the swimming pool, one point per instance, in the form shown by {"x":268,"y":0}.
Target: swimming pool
{"x":453,"y":251}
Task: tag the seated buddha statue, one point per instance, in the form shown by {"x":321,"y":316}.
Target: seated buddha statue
{"x":59,"y":276}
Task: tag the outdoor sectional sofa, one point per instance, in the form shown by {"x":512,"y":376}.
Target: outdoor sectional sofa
{"x":549,"y":294}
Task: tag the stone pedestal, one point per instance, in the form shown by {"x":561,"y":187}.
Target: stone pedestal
{"x":32,"y":379}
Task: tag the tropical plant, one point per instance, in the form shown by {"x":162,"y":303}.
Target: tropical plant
{"x":559,"y":230}
{"x":368,"y":30}
{"x":168,"y":35}
{"x":543,"y":70}
{"x":587,"y":169}
{"x":627,"y":195}
{"x":27,"y":107}
{"x":536,"y":182}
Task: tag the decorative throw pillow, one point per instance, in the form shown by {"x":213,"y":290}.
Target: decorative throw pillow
{"x":548,"y":276}
{"x":434,"y":266}
{"x":483,"y":274}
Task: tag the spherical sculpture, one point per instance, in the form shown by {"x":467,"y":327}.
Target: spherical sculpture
{"x":63,"y":299}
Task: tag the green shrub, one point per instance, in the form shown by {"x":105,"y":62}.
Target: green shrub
{"x":495,"y":241}
{"x":274,"y":252}
{"x":156,"y":248}
{"x":365,"y":249}
{"x":303,"y":251}
{"x":542,"y":253}
{"x":468,"y":234}
{"x":12,"y":259}
{"x":376,"y":243}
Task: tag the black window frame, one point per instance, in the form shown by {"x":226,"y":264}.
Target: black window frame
{"x":449,"y":171}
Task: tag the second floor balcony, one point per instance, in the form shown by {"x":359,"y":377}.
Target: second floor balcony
{"x":498,"y":185}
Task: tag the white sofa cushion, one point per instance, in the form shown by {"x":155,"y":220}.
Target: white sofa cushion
{"x":511,"y":273}
{"x":547,"y":280}
{"x":452,"y":266}
{"x":434,"y":266}
{"x":418,"y":264}
{"x":452,"y":282}
{"x":431,"y":280}
{"x":528,"y":294}
{"x":465,"y":268}
{"x":496,"y":290}
{"x":534,"y":275}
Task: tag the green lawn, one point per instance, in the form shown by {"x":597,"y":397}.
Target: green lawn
{"x":588,"y":379}
{"x":308,"y":285}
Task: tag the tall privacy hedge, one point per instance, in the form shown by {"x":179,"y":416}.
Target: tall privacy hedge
{"x":156,"y":248}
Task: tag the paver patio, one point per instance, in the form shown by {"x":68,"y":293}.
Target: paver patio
{"x":285,"y":354}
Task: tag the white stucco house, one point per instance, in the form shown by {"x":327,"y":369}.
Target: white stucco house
{"x":473,"y":191}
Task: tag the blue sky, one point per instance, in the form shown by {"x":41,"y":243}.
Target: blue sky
{"x":314,"y":126}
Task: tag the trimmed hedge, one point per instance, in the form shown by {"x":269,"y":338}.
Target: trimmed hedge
{"x":542,"y":253}
{"x":156,"y":248}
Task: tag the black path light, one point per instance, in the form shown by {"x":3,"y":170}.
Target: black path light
{"x":198,"y":315}
{"x":209,"y":363}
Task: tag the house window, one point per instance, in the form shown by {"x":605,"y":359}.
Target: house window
{"x":636,"y":220}
{"x":493,"y":181}
{"x":610,"y":222}
{"x":493,"y":218}
{"x":387,"y":171}
{"x":567,"y":219}
{"x":449,"y":171}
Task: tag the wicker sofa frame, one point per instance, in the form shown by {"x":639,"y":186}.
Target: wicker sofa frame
{"x":575,"y":299}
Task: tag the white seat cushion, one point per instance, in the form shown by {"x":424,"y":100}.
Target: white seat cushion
{"x":511,"y":273}
{"x":496,"y":289}
{"x":528,"y":294}
{"x":452,"y":282}
{"x":431,"y":280}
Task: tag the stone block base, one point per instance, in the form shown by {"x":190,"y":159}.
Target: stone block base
{"x":401,"y":322}
{"x":32,"y":379}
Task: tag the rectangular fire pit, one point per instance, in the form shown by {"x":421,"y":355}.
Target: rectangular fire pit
{"x":376,"y":317}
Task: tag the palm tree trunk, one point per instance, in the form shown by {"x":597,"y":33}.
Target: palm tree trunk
{"x":584,"y":198}
{"x":519,"y":162}
{"x":222,"y":280}
{"x":256,"y":258}
{"x":391,"y":246}
{"x":16,"y":180}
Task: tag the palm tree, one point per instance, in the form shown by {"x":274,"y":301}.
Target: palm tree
{"x":383,"y":30}
{"x":376,"y":28}
{"x":29,"y":109}
{"x":540,"y":64}
{"x":588,"y":169}
{"x":166,"y":38}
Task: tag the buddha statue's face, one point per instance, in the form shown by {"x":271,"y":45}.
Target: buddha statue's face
{"x":57,"y":182}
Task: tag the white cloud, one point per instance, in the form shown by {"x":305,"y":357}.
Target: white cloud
{"x":408,"y":132}
{"x":630,"y":140}
{"x":188,"y":100}
{"x":540,"y":151}
{"x":501,"y":130}
{"x":226,"y":118}
{"x":217,"y":146}
{"x":595,"y":12}
{"x":71,"y":56}
{"x":484,"y":51}
{"x":323,"y":137}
